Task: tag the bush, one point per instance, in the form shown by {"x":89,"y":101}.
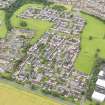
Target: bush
{"x":46,"y":91}
{"x":98,"y":50}
{"x":90,"y":37}
{"x":59,"y":7}
{"x":23,"y":24}
{"x":55,"y":94}
{"x":6,"y":75}
{"x":34,"y":87}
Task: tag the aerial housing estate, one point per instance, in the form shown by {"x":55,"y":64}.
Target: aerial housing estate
{"x":6,"y":3}
{"x":93,"y":7}
{"x":49,"y":63}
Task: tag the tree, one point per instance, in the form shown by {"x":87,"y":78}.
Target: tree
{"x":59,"y":7}
{"x":90,"y":37}
{"x":23,"y":24}
{"x":97,"y":103}
{"x":104,"y":36}
{"x":98,"y":50}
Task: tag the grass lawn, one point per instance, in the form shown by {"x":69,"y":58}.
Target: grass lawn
{"x":37,"y":25}
{"x":96,"y":29}
{"x":92,"y":103}
{"x":12,"y":96}
{"x":3,"y":29}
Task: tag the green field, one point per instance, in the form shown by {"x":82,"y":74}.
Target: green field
{"x":96,"y":29}
{"x":3,"y":29}
{"x":12,"y":96}
{"x":92,"y":103}
{"x":37,"y":25}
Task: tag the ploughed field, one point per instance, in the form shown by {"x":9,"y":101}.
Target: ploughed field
{"x":92,"y":44}
{"x":12,"y":96}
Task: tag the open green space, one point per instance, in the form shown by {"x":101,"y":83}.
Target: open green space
{"x":93,"y":103}
{"x":13,"y":96}
{"x":3,"y":29}
{"x":92,"y":44}
{"x":68,"y":8}
{"x":39,"y":26}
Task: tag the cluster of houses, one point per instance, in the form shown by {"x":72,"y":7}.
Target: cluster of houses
{"x":6,"y":3}
{"x":49,"y":62}
{"x":11,"y":48}
{"x":99,"y":92}
{"x":94,"y":7}
{"x":4,"y":62}
{"x":65,"y":1}
{"x":64,"y":22}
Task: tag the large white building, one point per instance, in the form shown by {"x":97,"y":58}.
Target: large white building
{"x":98,"y":96}
{"x":99,"y":92}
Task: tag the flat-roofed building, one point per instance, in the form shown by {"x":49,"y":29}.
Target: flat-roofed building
{"x":101,"y":83}
{"x":98,"y":96}
{"x":101,"y":73}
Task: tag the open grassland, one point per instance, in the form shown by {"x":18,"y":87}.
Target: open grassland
{"x":13,"y":96}
{"x":92,"y":42}
{"x":37,"y":25}
{"x":3,"y":29}
{"x":92,"y":103}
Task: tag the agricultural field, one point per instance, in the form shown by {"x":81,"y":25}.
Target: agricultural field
{"x":12,"y":96}
{"x":3,"y":29}
{"x":37,"y":25}
{"x":92,"y":44}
